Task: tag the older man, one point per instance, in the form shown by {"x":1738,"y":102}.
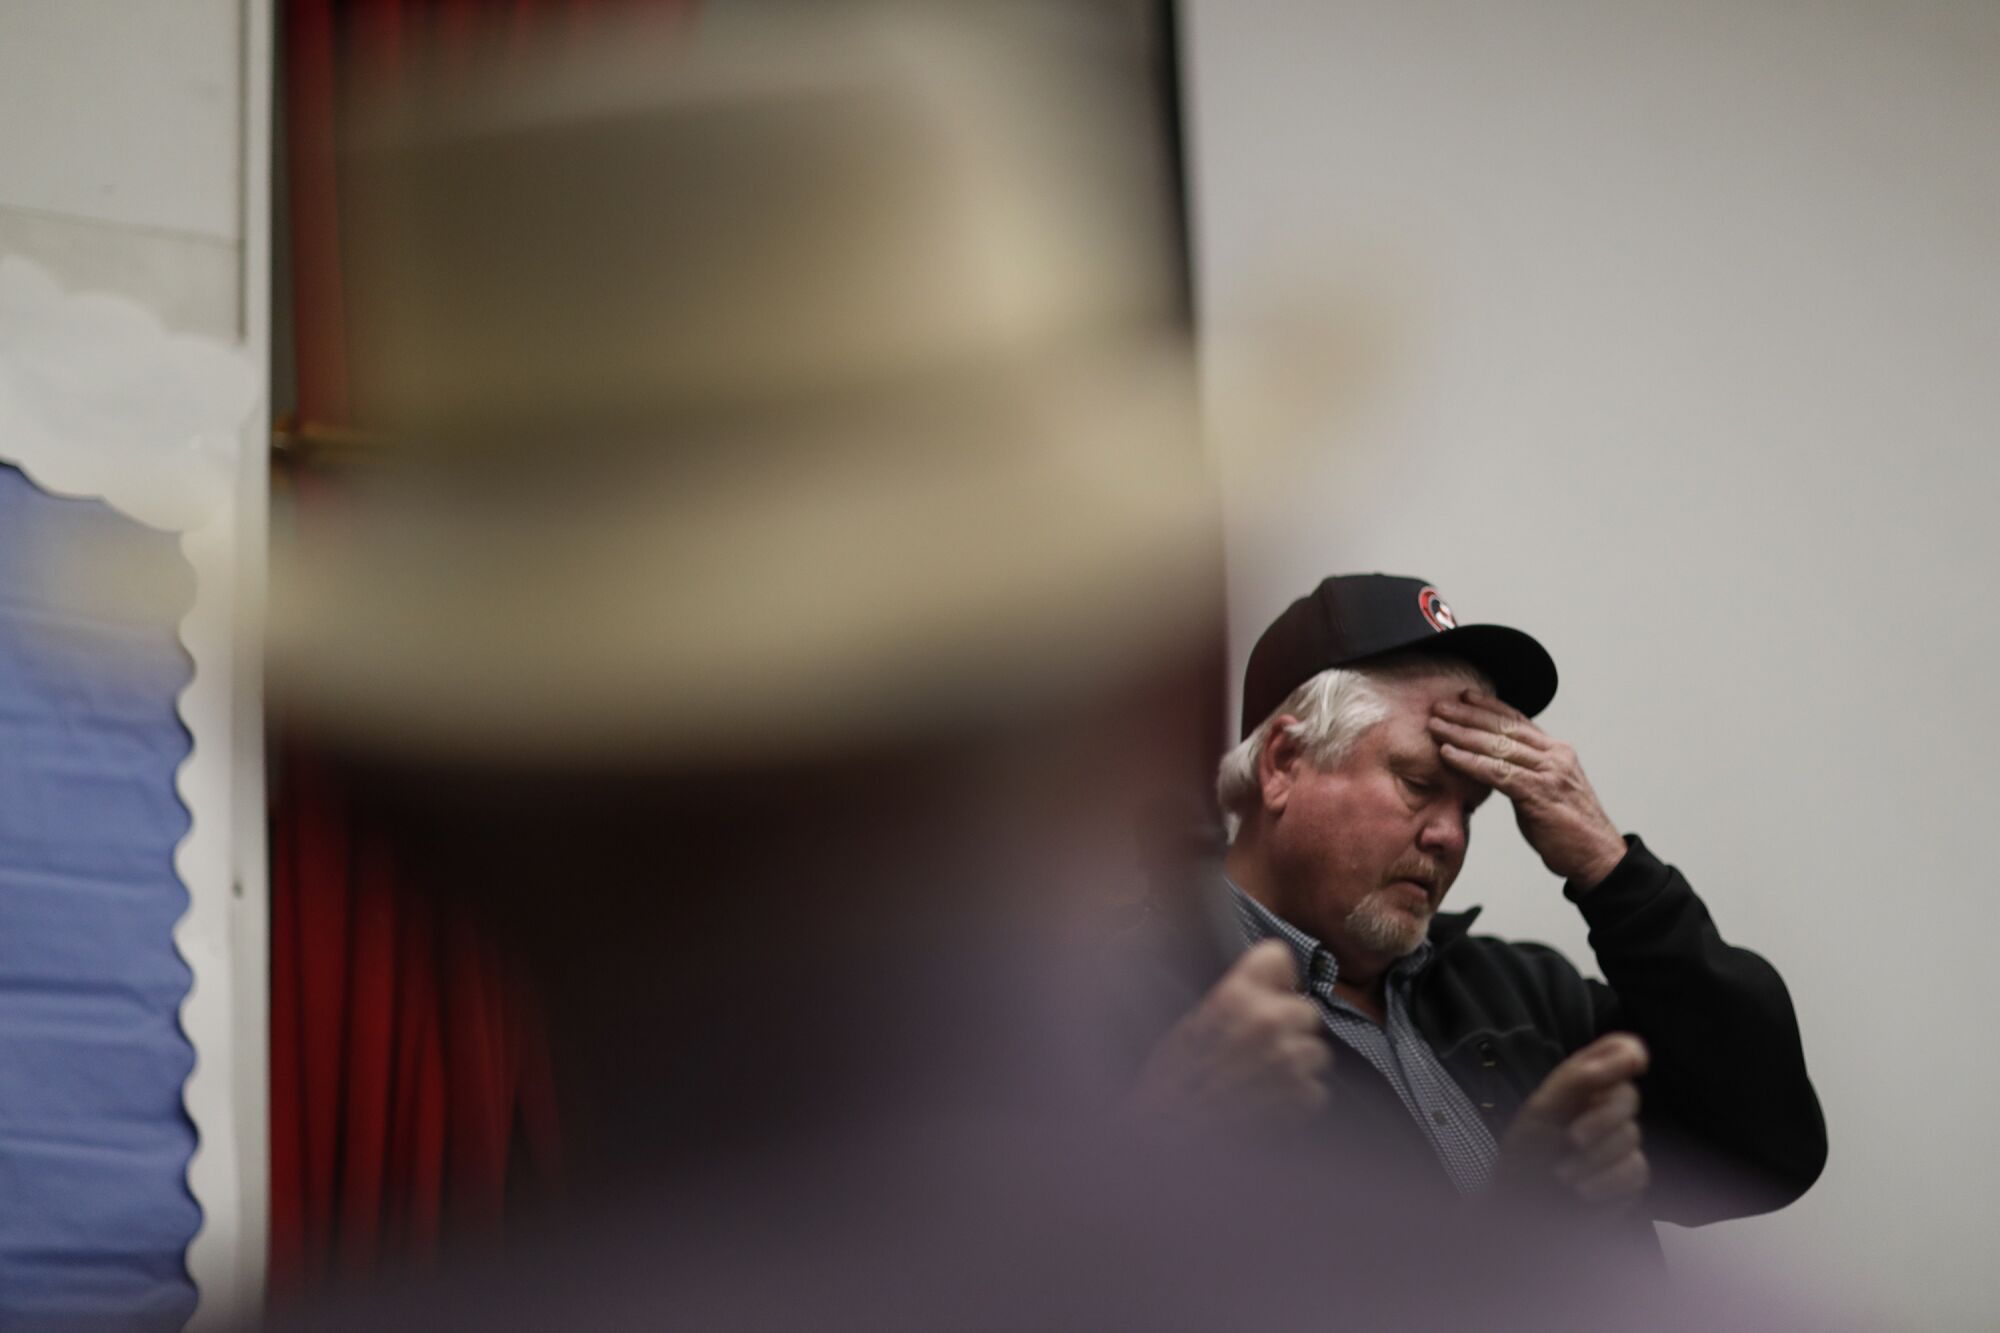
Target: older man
{"x":1374,"y":725}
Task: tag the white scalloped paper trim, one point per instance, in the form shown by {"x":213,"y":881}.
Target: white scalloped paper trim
{"x":99,"y":400}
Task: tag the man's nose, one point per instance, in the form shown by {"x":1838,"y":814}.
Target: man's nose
{"x":1443,"y":834}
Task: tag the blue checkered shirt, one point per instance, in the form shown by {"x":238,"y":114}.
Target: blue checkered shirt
{"x":1396,"y":1049}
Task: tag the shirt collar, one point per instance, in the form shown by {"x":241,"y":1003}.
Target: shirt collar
{"x":1316,"y":963}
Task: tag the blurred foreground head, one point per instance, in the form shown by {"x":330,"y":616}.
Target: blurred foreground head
{"x":816,"y":381}
{"x":787,"y":556}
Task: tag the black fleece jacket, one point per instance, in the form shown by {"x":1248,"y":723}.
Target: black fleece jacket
{"x":1732,"y":1126}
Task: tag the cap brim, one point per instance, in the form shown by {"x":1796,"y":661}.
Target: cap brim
{"x":1522,"y":672}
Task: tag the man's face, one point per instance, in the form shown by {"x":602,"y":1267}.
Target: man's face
{"x":1363,"y":853}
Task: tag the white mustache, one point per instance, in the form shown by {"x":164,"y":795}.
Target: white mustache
{"x":1423,"y":872}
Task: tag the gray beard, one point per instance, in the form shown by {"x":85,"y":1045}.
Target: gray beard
{"x":1379,"y":928}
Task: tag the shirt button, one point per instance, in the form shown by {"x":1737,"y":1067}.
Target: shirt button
{"x":1439,"y":1118}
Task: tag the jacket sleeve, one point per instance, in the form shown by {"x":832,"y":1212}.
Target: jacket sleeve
{"x":1732,"y":1124}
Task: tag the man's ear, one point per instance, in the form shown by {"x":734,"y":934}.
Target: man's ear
{"x":1278,"y":762}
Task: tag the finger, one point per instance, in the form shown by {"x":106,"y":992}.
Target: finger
{"x":1307,"y":1057}
{"x":1292,"y":1077}
{"x":1493,"y":703}
{"x":1604,"y":1117}
{"x":1574,"y":1084}
{"x":1288,"y":1015}
{"x":1622,"y":1141}
{"x":1299,"y":1102}
{"x":1487,"y":770}
{"x":1481,"y":741}
{"x":1267,"y":966}
{"x":1615,"y":1057}
{"x":1508,"y":724}
{"x":1624,"y":1179}
{"x":1625,"y":1051}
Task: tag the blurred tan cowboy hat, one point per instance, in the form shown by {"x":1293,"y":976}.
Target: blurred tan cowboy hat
{"x":821,"y":378}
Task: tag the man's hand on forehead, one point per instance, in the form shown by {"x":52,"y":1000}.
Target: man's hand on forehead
{"x":1560,"y":816}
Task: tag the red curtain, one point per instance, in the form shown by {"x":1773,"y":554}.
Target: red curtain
{"x":409,"y":1069}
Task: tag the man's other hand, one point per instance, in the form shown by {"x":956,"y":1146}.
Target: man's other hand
{"x":1252,"y":1048}
{"x":1581,"y":1126}
{"x":1559,"y":814}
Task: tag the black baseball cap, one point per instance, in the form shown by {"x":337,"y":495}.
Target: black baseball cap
{"x":1352,"y":619}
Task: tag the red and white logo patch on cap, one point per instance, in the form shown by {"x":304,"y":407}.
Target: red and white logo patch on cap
{"x":1435,"y":611}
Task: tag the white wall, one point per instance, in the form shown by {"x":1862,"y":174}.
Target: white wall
{"x":1670,"y":333}
{"x":121,"y":156}
{"x":134,"y":160}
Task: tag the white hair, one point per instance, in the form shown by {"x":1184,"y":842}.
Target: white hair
{"x":1333,"y":710}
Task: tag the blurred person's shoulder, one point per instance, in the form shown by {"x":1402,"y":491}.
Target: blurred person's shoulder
{"x":1073,"y":1225}
{"x":1162,"y":952}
